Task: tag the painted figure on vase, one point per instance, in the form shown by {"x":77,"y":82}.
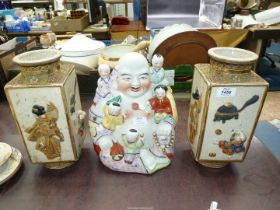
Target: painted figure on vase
{"x":127,"y":144}
{"x":157,"y":72}
{"x":45,"y":131}
{"x":104,"y":83}
{"x":235,"y":144}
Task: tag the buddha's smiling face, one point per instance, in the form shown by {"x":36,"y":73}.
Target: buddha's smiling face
{"x":133,"y":75}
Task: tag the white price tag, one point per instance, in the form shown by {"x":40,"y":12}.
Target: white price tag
{"x":226,"y":92}
{"x":140,"y":121}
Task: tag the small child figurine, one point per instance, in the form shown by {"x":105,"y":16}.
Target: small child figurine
{"x":235,"y":144}
{"x":112,"y":116}
{"x":163,"y":139}
{"x":160,"y":104}
{"x":157,"y":72}
{"x":104,"y":83}
{"x":133,"y":141}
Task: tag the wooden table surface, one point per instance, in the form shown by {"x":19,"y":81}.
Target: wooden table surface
{"x":251,"y":185}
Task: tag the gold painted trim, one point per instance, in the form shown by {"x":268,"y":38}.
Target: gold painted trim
{"x":226,"y":114}
{"x":230,"y":68}
{"x":204,"y":113}
{"x":68,"y":117}
{"x":256,"y":121}
{"x":213,"y":164}
{"x":16,"y":120}
{"x":40,"y":70}
{"x":30,"y":86}
{"x":221,"y":161}
{"x":9,"y":88}
{"x":239,"y":85}
{"x":64,"y":66}
{"x":188,"y":124}
{"x":204,"y":120}
{"x":58,"y":165}
{"x":61,"y":161}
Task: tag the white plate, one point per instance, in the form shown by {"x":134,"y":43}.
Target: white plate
{"x":8,"y":169}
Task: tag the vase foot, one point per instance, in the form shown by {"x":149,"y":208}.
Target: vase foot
{"x":213,"y":164}
{"x":58,"y":165}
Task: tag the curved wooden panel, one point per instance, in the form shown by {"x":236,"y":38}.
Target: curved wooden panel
{"x":189,"y":47}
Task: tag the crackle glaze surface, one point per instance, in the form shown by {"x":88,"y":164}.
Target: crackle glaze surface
{"x":229,"y":107}
{"x":48,"y":115}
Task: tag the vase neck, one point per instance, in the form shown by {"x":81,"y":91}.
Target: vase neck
{"x":231,"y":68}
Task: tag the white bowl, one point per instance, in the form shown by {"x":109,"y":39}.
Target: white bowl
{"x":80,"y":45}
{"x":83,"y":65}
{"x":232,"y":55}
{"x":37,"y":57}
{"x":8,"y":45}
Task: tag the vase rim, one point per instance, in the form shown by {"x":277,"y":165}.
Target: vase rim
{"x":232,"y":55}
{"x":37,"y":57}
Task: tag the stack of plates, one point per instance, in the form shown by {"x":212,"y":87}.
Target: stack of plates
{"x":83,"y":52}
{"x":10,"y":161}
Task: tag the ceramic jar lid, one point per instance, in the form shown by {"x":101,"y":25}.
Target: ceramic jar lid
{"x":5,"y":153}
{"x":80,"y":45}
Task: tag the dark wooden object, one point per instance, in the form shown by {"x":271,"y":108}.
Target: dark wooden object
{"x":253,"y":184}
{"x":189,"y":47}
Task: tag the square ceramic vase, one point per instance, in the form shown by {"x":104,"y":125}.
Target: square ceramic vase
{"x":224,"y":110}
{"x":47,"y":116}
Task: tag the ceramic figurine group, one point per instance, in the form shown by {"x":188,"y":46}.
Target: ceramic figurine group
{"x":132,"y":119}
{"x":133,"y":116}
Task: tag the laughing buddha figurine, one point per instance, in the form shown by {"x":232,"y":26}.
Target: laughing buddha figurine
{"x":145,"y":145}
